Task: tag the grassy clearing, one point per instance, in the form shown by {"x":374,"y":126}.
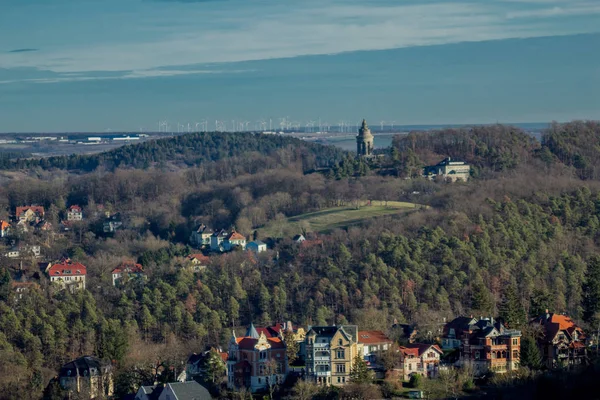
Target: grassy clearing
{"x":334,"y":217}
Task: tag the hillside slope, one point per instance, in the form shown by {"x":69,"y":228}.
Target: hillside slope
{"x":186,"y":150}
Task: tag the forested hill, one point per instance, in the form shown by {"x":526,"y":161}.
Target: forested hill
{"x":188,"y":150}
{"x":575,"y":144}
{"x":495,"y":147}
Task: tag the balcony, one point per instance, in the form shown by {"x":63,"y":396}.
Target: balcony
{"x":325,"y":358}
{"x":323,"y":373}
{"x":320,"y":345}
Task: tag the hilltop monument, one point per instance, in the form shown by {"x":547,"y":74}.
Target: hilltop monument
{"x":364,"y":141}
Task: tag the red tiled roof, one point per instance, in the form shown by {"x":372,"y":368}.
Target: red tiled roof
{"x":67,"y":268}
{"x":36,"y":209}
{"x":129,"y":267}
{"x":556,"y":323}
{"x":224,"y":356}
{"x":15,"y":285}
{"x":373,"y":337}
{"x":4,"y":225}
{"x":75,"y":208}
{"x":248,"y":343}
{"x":236,"y":236}
{"x":417,"y":349}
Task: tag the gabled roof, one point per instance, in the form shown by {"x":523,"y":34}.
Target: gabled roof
{"x":35,"y":209}
{"x":236,"y":236}
{"x":200,"y":257}
{"x":153,"y":392}
{"x":418,"y":349}
{"x":459,"y":324}
{"x":129,"y":266}
{"x":257,"y":243}
{"x":190,"y":390}
{"x":82,"y":366}
{"x":248,"y":343}
{"x":75,"y":208}
{"x":373,"y":337}
{"x":554,"y":323}
{"x":67,"y":268}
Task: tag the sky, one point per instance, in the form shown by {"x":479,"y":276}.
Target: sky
{"x":99,"y":65}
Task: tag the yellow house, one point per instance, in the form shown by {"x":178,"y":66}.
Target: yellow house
{"x":330,"y":353}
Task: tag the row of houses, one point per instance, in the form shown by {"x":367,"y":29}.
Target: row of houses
{"x":220,"y":241}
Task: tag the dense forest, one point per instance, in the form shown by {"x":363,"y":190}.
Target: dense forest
{"x":185,"y":150}
{"x":522,"y":236}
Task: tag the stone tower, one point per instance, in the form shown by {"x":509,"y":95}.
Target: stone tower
{"x":364,"y":141}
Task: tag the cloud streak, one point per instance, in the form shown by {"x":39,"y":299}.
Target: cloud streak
{"x":22,"y":50}
{"x":205,"y":32}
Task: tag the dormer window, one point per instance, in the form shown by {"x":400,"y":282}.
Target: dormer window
{"x":340,"y":342}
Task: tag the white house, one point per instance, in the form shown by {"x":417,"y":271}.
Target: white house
{"x":256,"y":246}
{"x":74,"y":213}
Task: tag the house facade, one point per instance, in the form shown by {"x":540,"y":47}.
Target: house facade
{"x":233,"y":240}
{"x":448,"y":169}
{"x":29,"y":213}
{"x":198,"y":261}
{"x":256,"y":246}
{"x":74,"y":213}
{"x":330,"y":353}
{"x":256,"y":361}
{"x":87,"y":376}
{"x":420,"y":359}
{"x":563,"y":343}
{"x":129,"y":268}
{"x":216,"y":240}
{"x":373,"y":344}
{"x":68,"y":274}
{"x":200,"y":237}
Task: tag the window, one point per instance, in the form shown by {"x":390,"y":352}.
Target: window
{"x":410,"y":367}
{"x":340,"y":368}
{"x":343,"y":379}
{"x":341,"y":342}
{"x":419,"y":366}
{"x":341,"y":354}
{"x":259,"y":381}
{"x":339,"y":379}
{"x":515,"y":354}
{"x":515,"y":342}
{"x":263,"y":355}
{"x":477,"y":355}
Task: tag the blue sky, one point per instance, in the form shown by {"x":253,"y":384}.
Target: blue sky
{"x":93,"y":65}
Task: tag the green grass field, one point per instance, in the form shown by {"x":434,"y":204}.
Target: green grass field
{"x":332,"y":218}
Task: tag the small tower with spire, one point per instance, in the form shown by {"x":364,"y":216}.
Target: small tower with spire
{"x":364,"y":141}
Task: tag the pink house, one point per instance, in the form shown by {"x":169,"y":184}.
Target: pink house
{"x":421,"y":359}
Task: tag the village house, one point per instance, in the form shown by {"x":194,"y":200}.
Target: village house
{"x":21,"y":288}
{"x":330,"y":353}
{"x":299,"y":238}
{"x":198,"y":261}
{"x":255,"y":361}
{"x":233,"y":240}
{"x":195,"y":364}
{"x":484,"y":344}
{"x":420,"y":359}
{"x":256,"y":246}
{"x":562,"y":343}
{"x":216,"y":240}
{"x":373,"y":344}
{"x":29,"y":213}
{"x":200,"y":237}
{"x":67,"y":274}
{"x":74,"y":213}
{"x":112,"y":223}
{"x":128,"y":268}
{"x":4,"y":228}
{"x":190,"y":390}
{"x":456,"y":331}
{"x":43,"y":226}
{"x":24,"y":251}
{"x":448,"y":169}
{"x":87,"y":376}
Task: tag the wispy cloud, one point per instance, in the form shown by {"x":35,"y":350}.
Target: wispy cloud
{"x":154,"y":34}
{"x":22,"y":50}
